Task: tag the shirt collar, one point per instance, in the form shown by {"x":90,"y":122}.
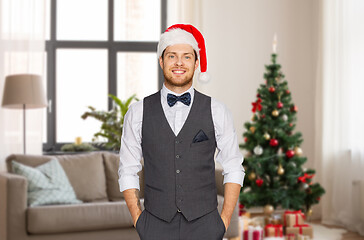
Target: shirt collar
{"x":165,"y":91}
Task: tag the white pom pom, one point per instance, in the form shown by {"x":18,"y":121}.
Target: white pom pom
{"x":204,"y":77}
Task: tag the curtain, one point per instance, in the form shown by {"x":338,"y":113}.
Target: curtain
{"x":22,"y":50}
{"x":340,"y":109}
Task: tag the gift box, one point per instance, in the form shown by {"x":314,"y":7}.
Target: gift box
{"x":303,"y":237}
{"x":292,"y":218}
{"x":274,"y":219}
{"x":274,"y":238}
{"x":290,"y":236}
{"x":253,"y":233}
{"x":303,"y":229}
{"x":244,"y":222}
{"x":272,"y":230}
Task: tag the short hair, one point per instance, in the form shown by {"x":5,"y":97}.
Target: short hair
{"x":196,"y":57}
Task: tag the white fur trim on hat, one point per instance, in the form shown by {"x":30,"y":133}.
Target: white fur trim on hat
{"x":176,"y":36}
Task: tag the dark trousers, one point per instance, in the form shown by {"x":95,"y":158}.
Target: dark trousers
{"x":210,"y":227}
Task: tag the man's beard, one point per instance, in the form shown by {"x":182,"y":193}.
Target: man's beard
{"x":170,"y":81}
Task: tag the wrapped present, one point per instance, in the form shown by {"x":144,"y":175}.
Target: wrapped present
{"x":290,"y":236}
{"x":303,"y":229}
{"x":274,"y":238}
{"x":253,"y":233}
{"x":274,"y":219}
{"x":292,"y":218}
{"x":272,"y":230}
{"x":244,"y":222}
{"x":303,"y":237}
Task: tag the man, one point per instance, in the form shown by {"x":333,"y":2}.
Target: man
{"x":176,"y":131}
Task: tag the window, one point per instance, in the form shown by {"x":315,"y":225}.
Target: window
{"x":93,"y":48}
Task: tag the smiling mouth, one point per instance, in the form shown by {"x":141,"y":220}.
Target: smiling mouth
{"x":179,"y":72}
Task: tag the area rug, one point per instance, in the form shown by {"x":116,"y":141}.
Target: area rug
{"x":323,"y":233}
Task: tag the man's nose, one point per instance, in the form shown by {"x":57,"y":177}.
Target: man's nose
{"x":179,"y":61}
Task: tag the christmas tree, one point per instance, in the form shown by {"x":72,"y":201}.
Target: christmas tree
{"x":274,"y":160}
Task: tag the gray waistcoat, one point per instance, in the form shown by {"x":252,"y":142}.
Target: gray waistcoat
{"x":179,"y":174}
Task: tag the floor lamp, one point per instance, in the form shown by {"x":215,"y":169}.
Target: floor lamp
{"x":24,"y":91}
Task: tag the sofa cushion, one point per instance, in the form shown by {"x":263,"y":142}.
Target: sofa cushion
{"x":85,"y":172}
{"x":79,"y":217}
{"x":111,"y":161}
{"x":47,"y":183}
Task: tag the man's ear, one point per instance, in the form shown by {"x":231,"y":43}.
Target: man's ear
{"x":161,"y":62}
{"x":197,"y":63}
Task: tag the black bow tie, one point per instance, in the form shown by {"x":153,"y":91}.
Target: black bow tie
{"x":184,"y":98}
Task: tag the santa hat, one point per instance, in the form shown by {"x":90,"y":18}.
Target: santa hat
{"x":186,"y":34}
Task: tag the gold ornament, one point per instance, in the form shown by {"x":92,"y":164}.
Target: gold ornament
{"x":275,"y":113}
{"x":266,"y":136}
{"x":280,"y":170}
{"x":252,"y":129}
{"x":252,"y":176}
{"x":268,"y":209}
{"x":298,"y":151}
{"x":309,"y":212}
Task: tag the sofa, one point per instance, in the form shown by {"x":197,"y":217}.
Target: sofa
{"x":102,"y":215}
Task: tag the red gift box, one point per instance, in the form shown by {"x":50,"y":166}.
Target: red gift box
{"x":273,"y":230}
{"x":253,"y":233}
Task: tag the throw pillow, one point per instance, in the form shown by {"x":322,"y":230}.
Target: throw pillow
{"x":47,"y":184}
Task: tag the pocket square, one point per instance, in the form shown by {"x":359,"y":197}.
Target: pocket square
{"x":200,"y":136}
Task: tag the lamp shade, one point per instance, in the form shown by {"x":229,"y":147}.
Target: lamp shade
{"x":24,"y":90}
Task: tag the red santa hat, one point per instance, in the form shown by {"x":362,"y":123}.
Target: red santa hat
{"x":186,"y":34}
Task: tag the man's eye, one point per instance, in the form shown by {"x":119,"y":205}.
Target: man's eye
{"x":187,"y":57}
{"x":171,"y":56}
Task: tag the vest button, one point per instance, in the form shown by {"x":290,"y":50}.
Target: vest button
{"x":177,"y":141}
{"x":178,"y":171}
{"x":177,"y":156}
{"x":178,"y":210}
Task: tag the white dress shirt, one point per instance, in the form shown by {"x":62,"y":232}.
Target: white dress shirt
{"x":228,"y":154}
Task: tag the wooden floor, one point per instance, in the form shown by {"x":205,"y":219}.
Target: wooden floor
{"x":346,"y":236}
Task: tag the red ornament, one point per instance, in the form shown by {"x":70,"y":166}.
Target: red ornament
{"x":318,"y":199}
{"x":290,"y":153}
{"x":294,"y":108}
{"x":290,"y":124}
{"x":287,"y":91}
{"x":257,"y":105}
{"x":262,"y":116}
{"x":245,"y":139}
{"x":258,"y":95}
{"x":259,"y":182}
{"x":305,"y":177}
{"x":272,"y":89}
{"x":241,"y":206}
{"x":273,"y":142}
{"x":279,"y":105}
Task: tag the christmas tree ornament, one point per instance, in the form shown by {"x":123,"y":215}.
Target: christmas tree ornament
{"x":272,"y":89}
{"x":285,"y":117}
{"x":259,"y":182}
{"x":309,"y":212}
{"x":304,"y":186}
{"x":258,"y":150}
{"x":245,"y":139}
{"x":262,"y":116}
{"x":291,"y":124}
{"x":294,"y":108}
{"x":280,"y":170}
{"x":278,"y":79}
{"x":252,"y":176}
{"x":287,"y":92}
{"x":273,"y":142}
{"x":266,"y":136}
{"x":252,"y":129}
{"x":275,"y":113}
{"x":290,"y":153}
{"x":279,"y":105}
{"x":268,"y":209}
{"x":257,"y":105}
{"x":280,"y":151}
{"x":258,"y":95}
{"x":298,"y":151}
